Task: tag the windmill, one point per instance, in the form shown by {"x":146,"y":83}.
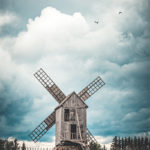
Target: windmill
{"x":69,"y":116}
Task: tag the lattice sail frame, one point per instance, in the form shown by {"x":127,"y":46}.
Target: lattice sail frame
{"x":50,"y":86}
{"x":91,"y":88}
{"x":43,"y":127}
{"x":90,"y":137}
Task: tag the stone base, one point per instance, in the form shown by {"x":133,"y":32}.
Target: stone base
{"x":70,"y":148}
{"x":66,"y":148}
{"x":69,"y":145}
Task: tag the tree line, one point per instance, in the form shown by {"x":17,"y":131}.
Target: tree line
{"x":96,"y":146}
{"x":11,"y":145}
{"x":128,"y":143}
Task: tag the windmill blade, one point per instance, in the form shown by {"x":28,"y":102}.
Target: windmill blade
{"x":42,"y":128}
{"x":50,"y":86}
{"x":91,"y":88}
{"x":90,"y":137}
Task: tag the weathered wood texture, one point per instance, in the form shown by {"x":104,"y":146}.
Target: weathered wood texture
{"x":66,"y":148}
{"x":63,"y":128}
{"x":50,"y":86}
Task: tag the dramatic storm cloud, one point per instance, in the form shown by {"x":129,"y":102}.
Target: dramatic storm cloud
{"x":73,"y":50}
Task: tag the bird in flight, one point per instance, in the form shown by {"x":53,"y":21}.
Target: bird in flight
{"x":120,"y":12}
{"x":96,"y":22}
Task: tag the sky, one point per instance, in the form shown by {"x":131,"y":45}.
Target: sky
{"x":62,"y":38}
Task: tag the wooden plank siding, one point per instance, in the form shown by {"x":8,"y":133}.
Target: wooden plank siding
{"x":63,"y":128}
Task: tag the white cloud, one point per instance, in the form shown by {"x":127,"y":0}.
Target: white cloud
{"x":7,"y":18}
{"x":136,"y":116}
{"x":104,"y":141}
{"x":58,"y":38}
{"x":52,"y":32}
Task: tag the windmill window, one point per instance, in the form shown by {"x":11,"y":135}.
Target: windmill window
{"x":73,"y":131}
{"x":66,"y":115}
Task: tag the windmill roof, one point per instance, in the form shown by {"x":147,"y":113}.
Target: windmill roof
{"x":68,"y":98}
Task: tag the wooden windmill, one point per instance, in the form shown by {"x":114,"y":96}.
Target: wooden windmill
{"x":69,"y":116}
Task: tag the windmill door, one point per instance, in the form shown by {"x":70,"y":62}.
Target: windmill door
{"x":73,"y":132}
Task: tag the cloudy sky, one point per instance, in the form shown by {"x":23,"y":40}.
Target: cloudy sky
{"x":62,"y":38}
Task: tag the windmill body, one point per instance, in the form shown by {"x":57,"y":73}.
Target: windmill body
{"x":69,"y":116}
{"x":71,"y":120}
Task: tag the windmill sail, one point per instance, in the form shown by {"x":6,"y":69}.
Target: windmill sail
{"x":91,"y":88}
{"x":90,"y":137}
{"x":51,"y":87}
{"x":42,"y":128}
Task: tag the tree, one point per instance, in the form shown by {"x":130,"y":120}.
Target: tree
{"x":119,"y":144}
{"x":15,"y":146}
{"x":95,"y":146}
{"x":125,"y":142}
{"x":135,"y":142}
{"x":23,"y":146}
{"x":129,"y":141}
{"x":104,"y":148}
{"x":122,"y":144}
{"x":131,"y":145}
{"x":146,"y":143}
{"x":2,"y":144}
{"x":114,"y":143}
{"x":139,"y":143}
{"x":8,"y":145}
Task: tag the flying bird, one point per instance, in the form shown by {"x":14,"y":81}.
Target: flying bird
{"x":96,"y":22}
{"x":120,"y":12}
